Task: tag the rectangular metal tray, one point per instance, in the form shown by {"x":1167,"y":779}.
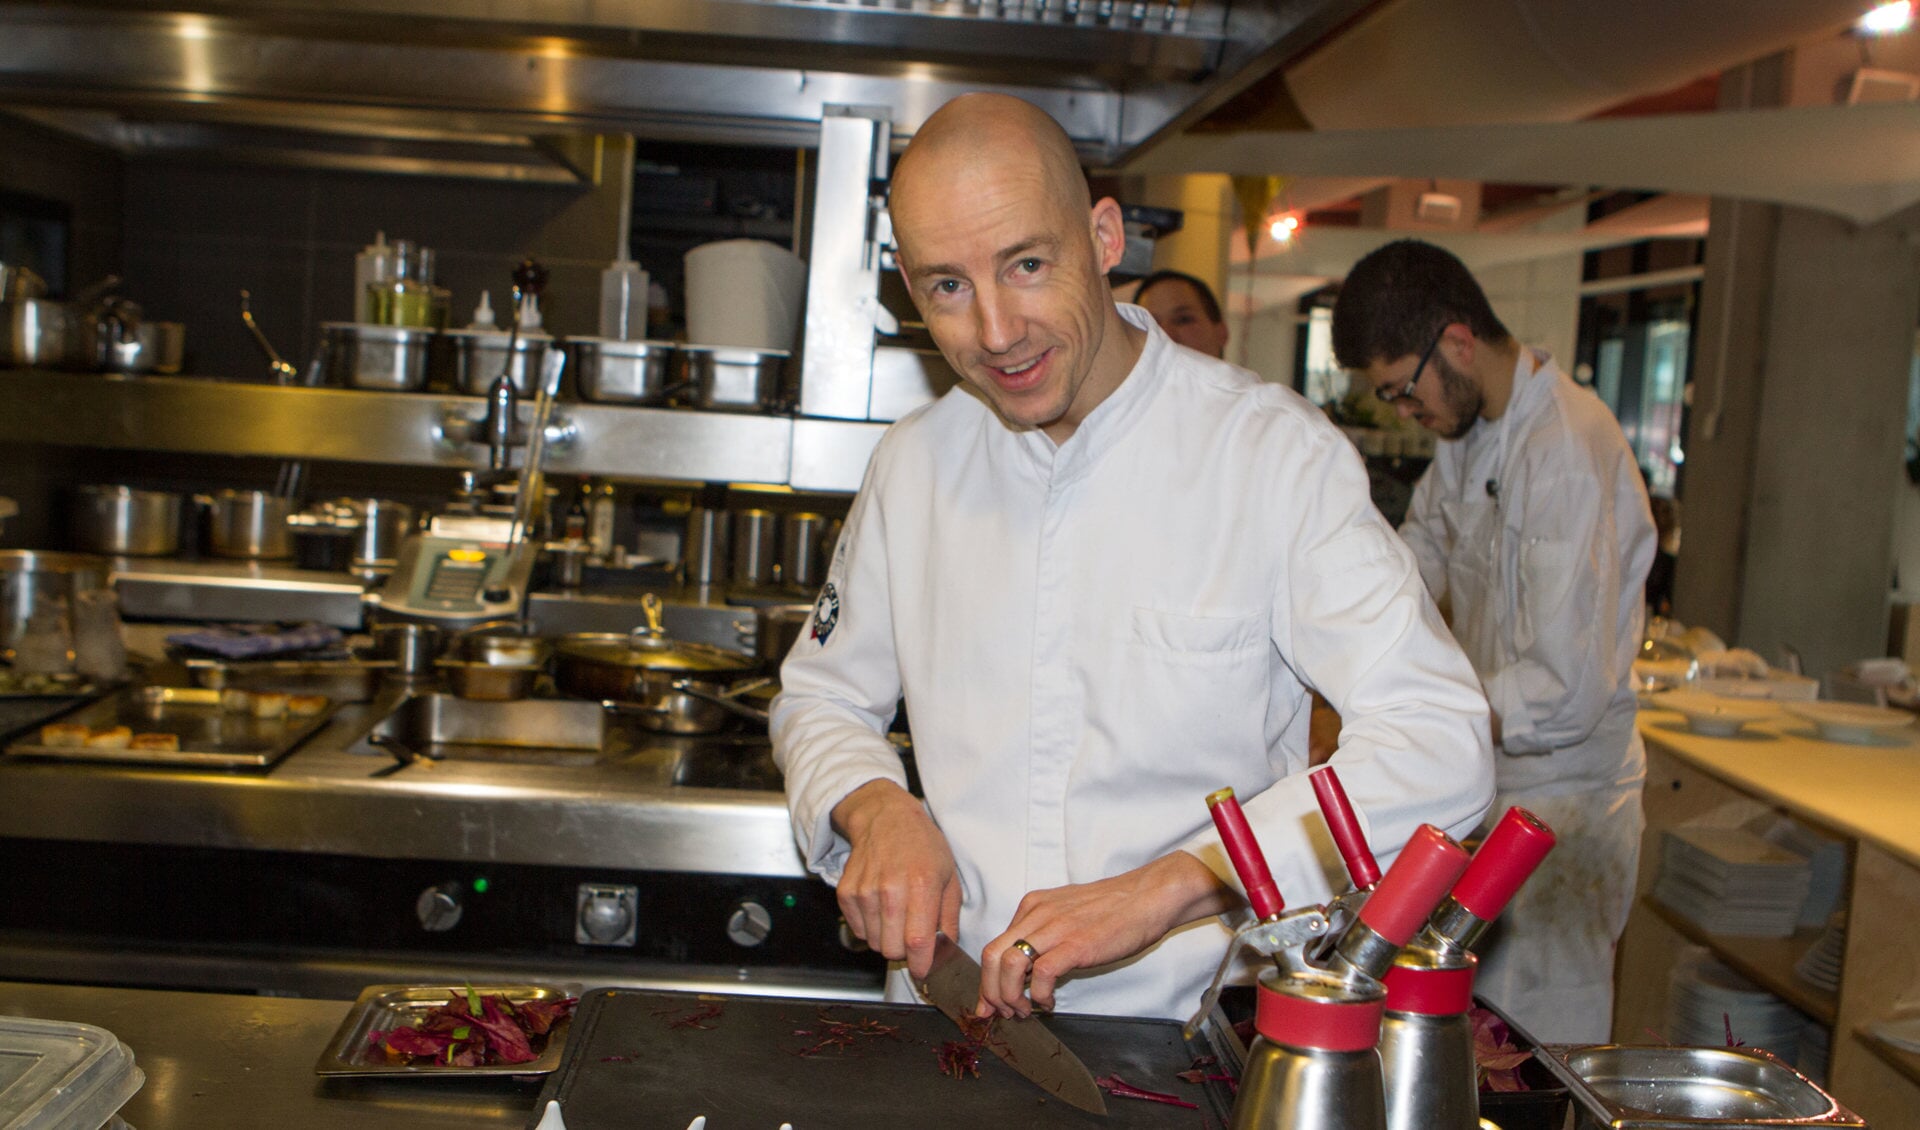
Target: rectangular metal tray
{"x":1639,"y":1087}
{"x":342,"y":680}
{"x":382,"y":1007}
{"x":209,"y":736}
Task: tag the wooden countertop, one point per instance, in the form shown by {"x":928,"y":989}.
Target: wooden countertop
{"x":1871,"y":792}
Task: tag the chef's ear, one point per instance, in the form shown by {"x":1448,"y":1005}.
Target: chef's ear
{"x":1109,"y":233}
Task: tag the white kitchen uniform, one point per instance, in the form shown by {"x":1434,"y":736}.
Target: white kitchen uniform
{"x":1090,"y":638}
{"x":1535,"y":528}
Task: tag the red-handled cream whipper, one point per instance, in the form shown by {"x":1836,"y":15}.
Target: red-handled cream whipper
{"x":1315,"y":1062}
{"x":1426,"y":1038}
{"x":1249,"y":862}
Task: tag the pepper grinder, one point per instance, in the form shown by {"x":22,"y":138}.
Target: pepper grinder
{"x":1314,"y":1065}
{"x":1426,"y":1037}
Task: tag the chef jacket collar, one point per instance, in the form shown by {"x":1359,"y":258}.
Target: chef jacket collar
{"x":1113,"y":417}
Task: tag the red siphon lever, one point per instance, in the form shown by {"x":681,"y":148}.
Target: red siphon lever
{"x":1345,"y":826}
{"x":1249,"y":862}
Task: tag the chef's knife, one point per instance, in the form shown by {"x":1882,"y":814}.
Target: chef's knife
{"x":953,"y":985}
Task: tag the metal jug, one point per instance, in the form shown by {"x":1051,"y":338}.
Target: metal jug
{"x":1426,"y":1036}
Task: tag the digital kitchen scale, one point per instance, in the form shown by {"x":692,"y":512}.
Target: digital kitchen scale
{"x":462,"y":571}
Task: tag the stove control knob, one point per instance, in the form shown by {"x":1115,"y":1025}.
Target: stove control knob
{"x":438,"y":907}
{"x":750,"y":924}
{"x":850,"y":941}
{"x":606,"y":914}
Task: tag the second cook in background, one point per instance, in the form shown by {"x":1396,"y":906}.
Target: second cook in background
{"x":1533,"y":524}
{"x":1103,"y":573}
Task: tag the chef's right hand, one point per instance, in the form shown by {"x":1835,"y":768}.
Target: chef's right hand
{"x":900,"y":885}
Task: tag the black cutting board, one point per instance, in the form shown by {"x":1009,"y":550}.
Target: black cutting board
{"x":628,"y":1067}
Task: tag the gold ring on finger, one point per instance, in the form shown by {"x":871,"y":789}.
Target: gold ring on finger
{"x":1026,"y":947}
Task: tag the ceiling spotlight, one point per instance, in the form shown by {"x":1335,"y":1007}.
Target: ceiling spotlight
{"x":1284,"y":228}
{"x":1886,"y":19}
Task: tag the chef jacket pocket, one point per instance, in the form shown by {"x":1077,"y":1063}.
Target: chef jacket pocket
{"x":1200,"y":640}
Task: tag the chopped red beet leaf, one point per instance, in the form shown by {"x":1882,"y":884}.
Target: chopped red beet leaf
{"x":958,"y":1060}
{"x":452,"y":1035}
{"x":1121,"y":1089}
{"x":1495,"y":1055}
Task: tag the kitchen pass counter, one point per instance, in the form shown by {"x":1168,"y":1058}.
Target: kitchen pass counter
{"x":215,"y":1060}
{"x":1866,"y":792}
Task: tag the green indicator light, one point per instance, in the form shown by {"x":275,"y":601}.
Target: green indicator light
{"x":479,"y":886}
{"x":788,"y":901}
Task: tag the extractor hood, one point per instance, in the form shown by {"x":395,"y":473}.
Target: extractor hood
{"x":479,"y":87}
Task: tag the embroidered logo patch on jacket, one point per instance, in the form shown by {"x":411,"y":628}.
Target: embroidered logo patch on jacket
{"x":826,"y":612}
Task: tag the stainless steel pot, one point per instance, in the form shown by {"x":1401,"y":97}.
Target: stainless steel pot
{"x":803,"y":551}
{"x":150,"y":347}
{"x":733,"y":380}
{"x":489,"y":682}
{"x":756,"y":538}
{"x":478,"y":356}
{"x":411,"y":647}
{"x":119,"y":521}
{"x":620,"y":372}
{"x":34,"y":333}
{"x":247,"y":523}
{"x":505,"y":645}
{"x":672,"y":687}
{"x":33,"y":580}
{"x":357,"y":355}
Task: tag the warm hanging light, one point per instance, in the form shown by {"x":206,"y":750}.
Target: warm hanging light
{"x":1886,"y":19}
{"x":1284,"y":227}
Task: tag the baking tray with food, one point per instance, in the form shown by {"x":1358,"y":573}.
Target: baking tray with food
{"x":460,"y":1031}
{"x":197,"y":726}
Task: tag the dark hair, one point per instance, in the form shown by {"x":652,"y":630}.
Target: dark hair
{"x":1207,"y":300}
{"x":1400,"y":297}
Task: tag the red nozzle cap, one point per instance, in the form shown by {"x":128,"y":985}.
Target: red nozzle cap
{"x":1509,"y":855}
{"x":1416,"y":883}
{"x":1345,"y":827}
{"x":1431,"y":992}
{"x":1249,"y":862}
{"x":1324,"y":1025}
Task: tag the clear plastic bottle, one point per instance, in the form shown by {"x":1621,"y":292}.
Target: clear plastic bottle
{"x":372,"y":267}
{"x":623,"y":301}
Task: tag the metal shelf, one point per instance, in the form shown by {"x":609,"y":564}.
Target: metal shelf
{"x":196,"y":415}
{"x":1767,"y":962}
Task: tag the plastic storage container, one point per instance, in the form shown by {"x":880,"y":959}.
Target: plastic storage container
{"x":56,"y":1075}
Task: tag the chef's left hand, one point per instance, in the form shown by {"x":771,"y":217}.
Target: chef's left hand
{"x":1096,"y":923}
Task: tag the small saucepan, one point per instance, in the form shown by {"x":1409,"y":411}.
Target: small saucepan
{"x":670,"y":686}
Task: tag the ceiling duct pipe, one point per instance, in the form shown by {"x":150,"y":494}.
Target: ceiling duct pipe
{"x":1461,"y":62}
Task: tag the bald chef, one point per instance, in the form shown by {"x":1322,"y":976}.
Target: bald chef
{"x":1103,"y":572}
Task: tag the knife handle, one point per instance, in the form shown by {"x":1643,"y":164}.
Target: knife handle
{"x":1505,"y":860}
{"x":1361,"y":866}
{"x":1249,"y":862}
{"x":1418,"y":880}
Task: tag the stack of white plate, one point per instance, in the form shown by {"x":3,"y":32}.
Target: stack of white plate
{"x":1711,"y":1006}
{"x":1828,"y":858}
{"x":1820,"y":965}
{"x":1730,"y":881}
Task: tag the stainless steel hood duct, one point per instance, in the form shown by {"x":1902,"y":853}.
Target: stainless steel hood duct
{"x":426,"y":75}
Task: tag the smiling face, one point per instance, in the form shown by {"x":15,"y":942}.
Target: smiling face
{"x":1006,"y":263}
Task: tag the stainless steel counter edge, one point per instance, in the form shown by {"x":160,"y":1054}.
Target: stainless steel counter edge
{"x":323,"y":799}
{"x":197,"y":415}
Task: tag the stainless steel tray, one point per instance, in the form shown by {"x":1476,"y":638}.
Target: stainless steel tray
{"x":382,"y":1007}
{"x":209,"y":736}
{"x":342,"y":680}
{"x":1636,"y":1087}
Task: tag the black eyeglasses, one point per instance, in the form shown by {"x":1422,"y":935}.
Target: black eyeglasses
{"x":1406,"y":390}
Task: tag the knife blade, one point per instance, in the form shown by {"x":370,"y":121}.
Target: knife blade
{"x":1023,"y":1043}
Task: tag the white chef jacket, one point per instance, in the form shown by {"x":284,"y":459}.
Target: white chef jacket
{"x":1536,"y":527}
{"x":1092,"y":637}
